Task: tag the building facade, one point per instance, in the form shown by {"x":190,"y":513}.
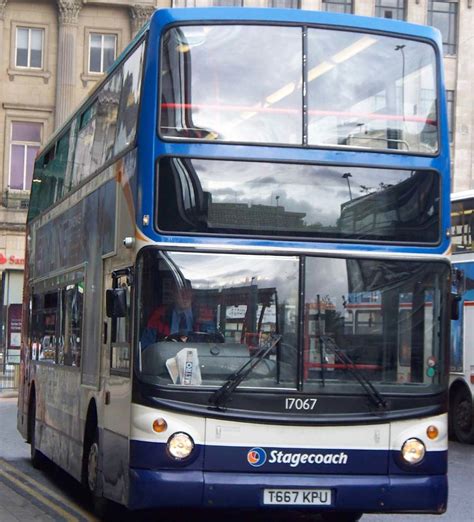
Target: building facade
{"x":54,"y":51}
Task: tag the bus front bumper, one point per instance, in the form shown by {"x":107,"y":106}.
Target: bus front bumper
{"x":364,"y":493}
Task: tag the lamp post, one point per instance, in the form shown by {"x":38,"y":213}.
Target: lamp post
{"x":401,"y":48}
{"x":346,"y":176}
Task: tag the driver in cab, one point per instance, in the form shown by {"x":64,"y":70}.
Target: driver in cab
{"x":171,"y":322}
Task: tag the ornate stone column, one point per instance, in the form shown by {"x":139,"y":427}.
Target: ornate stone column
{"x":68,"y":15}
{"x":3,"y":7}
{"x":139,"y":15}
{"x":4,"y":177}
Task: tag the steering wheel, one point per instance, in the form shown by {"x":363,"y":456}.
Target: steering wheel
{"x":175,"y":338}
{"x":196,"y":337}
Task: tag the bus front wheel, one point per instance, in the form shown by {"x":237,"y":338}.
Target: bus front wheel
{"x":92,"y":476}
{"x":463,"y":416}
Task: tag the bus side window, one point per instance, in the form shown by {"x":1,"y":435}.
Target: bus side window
{"x":47,"y":328}
{"x":120,"y":332}
{"x":85,"y":139}
{"x":129,"y":100}
{"x":69,"y":347}
{"x":36,"y":325}
{"x":107,"y":109}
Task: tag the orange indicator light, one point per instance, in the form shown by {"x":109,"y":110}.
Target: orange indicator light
{"x":160,"y":425}
{"x":432,"y":432}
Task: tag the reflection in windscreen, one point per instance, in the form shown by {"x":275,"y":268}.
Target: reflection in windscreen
{"x":202,"y":317}
{"x":380,"y":319}
{"x":235,"y":197}
{"x":386,"y":92}
{"x":243,"y":83}
{"x":232,"y":83}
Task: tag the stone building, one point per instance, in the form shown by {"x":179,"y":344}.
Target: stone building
{"x":54,"y":51}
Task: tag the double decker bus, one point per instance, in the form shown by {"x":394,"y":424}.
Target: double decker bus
{"x":199,"y":234}
{"x":462,"y":332}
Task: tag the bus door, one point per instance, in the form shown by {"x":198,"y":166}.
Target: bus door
{"x":117,"y":380}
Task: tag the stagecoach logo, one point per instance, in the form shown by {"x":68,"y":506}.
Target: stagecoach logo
{"x":256,"y":457}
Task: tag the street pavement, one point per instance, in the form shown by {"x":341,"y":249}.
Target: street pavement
{"x":29,"y":495}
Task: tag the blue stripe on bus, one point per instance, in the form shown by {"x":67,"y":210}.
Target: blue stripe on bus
{"x":150,"y":455}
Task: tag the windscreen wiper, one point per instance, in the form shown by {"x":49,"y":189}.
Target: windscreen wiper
{"x":342,"y":357}
{"x":221,"y":396}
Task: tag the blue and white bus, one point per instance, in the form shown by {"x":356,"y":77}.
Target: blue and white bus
{"x":199,"y":234}
{"x":461,"y":390}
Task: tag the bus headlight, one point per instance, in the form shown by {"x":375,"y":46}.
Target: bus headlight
{"x":180,"y":445}
{"x":413,"y":451}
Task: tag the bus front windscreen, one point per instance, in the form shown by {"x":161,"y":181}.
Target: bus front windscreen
{"x":314,"y":324}
{"x":243,"y":83}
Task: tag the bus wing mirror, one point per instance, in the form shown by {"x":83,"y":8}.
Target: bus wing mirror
{"x":455,"y":302}
{"x":116,"y":302}
{"x":458,"y":281}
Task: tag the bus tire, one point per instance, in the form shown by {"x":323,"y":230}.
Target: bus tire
{"x":38,"y":460}
{"x":92,"y":475}
{"x":462,"y":416}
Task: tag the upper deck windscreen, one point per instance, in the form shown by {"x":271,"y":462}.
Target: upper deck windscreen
{"x":307,"y":201}
{"x":244,"y":84}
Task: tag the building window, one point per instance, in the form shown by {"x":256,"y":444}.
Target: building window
{"x":390,"y":9}
{"x":443,"y":14}
{"x":29,"y":47}
{"x":25,"y":142}
{"x":102,"y":51}
{"x":337,"y":6}
{"x":450,"y":107}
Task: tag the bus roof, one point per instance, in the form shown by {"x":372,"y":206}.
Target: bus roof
{"x":299,"y":16}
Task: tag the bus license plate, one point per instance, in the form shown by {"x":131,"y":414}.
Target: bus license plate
{"x":297,"y":497}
